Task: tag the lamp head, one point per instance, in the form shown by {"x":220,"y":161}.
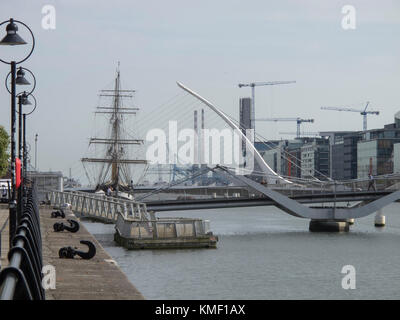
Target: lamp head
{"x":24,"y":99}
{"x":12,"y":38}
{"x":21,"y":80}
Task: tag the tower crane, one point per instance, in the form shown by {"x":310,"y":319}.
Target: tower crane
{"x":253,"y":85}
{"x":364,"y":112}
{"x":303,"y":134}
{"x":299,"y":121}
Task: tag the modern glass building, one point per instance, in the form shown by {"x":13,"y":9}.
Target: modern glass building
{"x":396,"y":158}
{"x":375,"y":157}
{"x":350,"y":156}
{"x":315,"y":159}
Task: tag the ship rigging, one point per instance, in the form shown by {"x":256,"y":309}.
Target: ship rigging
{"x":113,"y":164}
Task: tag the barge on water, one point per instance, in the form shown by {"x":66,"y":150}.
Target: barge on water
{"x":142,"y":230}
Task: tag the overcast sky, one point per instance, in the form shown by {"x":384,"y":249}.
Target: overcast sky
{"x":210,"y":46}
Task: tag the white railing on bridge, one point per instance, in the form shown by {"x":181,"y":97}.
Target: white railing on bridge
{"x":98,"y":206}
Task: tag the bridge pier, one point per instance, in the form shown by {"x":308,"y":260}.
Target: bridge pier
{"x":380,"y":219}
{"x":329,"y":226}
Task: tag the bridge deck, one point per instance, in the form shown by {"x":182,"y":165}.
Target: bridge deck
{"x":192,"y":204}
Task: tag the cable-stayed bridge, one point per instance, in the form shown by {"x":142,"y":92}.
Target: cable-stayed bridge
{"x":287,"y":193}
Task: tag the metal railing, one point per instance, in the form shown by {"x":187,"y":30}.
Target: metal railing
{"x":22,"y":279}
{"x":98,"y":206}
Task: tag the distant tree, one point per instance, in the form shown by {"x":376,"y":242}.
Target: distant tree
{"x":4,"y":156}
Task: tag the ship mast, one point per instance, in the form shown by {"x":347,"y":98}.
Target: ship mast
{"x":116,"y":133}
{"x":115,"y":156}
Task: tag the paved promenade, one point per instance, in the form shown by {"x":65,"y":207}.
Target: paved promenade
{"x":4,"y":234}
{"x":77,"y":279}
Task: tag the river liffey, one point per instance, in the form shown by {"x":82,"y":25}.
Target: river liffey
{"x":264,"y":253}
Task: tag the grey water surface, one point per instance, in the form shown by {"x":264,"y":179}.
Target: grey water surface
{"x":264,"y":253}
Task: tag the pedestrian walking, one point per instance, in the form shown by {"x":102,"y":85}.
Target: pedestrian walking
{"x":371,"y":182}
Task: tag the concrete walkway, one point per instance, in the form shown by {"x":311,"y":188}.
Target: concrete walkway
{"x":77,"y":279}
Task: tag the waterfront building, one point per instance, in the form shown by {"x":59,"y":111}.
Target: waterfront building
{"x":375,"y":145}
{"x":350,"y":155}
{"x":337,"y":149}
{"x":341,"y":155}
{"x":293,"y":167}
{"x":283,"y":156}
{"x":396,"y":157}
{"x":375,"y":157}
{"x":272,"y":154}
{"x":245,"y":114}
{"x":291,"y":157}
{"x":337,"y":161}
{"x":375,"y":152}
{"x":244,"y":119}
{"x":315,"y":159}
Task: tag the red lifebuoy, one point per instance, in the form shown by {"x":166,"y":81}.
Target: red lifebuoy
{"x":17,"y":172}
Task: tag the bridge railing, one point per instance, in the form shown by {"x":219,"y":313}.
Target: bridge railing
{"x":381,"y":182}
{"x":98,"y":206}
{"x":387,"y":182}
{"x":22,"y":279}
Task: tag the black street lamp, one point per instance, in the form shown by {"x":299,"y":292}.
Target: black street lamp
{"x":25,"y":151}
{"x":11,"y":39}
{"x":36,"y":139}
{"x":24,"y":148}
{"x":21,"y":77}
{"x":22,"y":100}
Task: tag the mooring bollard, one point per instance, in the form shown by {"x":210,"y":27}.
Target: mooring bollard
{"x":380,"y":219}
{"x":73,"y":226}
{"x":70,"y":253}
{"x":58,"y":213}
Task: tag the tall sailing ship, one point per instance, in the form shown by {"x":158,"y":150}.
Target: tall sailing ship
{"x":113,"y":161}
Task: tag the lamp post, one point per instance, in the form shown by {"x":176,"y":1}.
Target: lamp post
{"x":22,"y":100}
{"x":24,"y":148}
{"x":36,"y":138}
{"x":12,"y":39}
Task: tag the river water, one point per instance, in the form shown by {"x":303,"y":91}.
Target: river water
{"x":264,"y":253}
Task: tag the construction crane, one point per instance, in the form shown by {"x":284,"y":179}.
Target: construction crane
{"x":253,"y":104}
{"x":299,"y":121}
{"x":364,"y":112}
{"x":303,"y":134}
